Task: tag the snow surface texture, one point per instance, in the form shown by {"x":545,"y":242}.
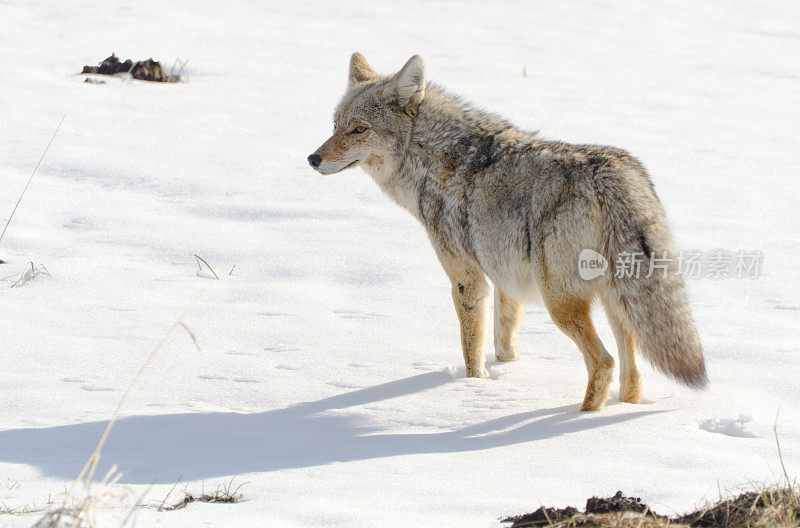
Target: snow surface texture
{"x":330,"y":377}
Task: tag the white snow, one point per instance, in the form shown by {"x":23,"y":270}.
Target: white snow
{"x":329,"y":378}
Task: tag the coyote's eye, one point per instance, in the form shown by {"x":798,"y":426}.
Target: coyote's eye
{"x":359,"y":129}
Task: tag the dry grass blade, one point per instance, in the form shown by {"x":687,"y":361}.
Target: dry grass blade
{"x":80,"y":515}
{"x":128,"y":75}
{"x":191,"y":335}
{"x":31,"y":178}
{"x":644,"y":516}
{"x":201,"y":259}
{"x":180,"y":72}
{"x":30,"y":274}
{"x":161,"y":506}
{"x":172,"y":68}
{"x":135,"y":507}
{"x":547,"y":516}
{"x":780,"y":454}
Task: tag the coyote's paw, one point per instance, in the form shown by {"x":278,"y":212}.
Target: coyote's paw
{"x":505,"y":355}
{"x":477,"y":372}
{"x":631,"y":393}
{"x":507,"y":352}
{"x":597,"y":390}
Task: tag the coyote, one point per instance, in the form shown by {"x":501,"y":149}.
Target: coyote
{"x":503,"y":203}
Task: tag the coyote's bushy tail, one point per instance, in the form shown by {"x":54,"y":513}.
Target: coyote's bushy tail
{"x":655,"y":307}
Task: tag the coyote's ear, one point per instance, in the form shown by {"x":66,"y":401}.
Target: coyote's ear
{"x":410,"y":83}
{"x":360,"y":70}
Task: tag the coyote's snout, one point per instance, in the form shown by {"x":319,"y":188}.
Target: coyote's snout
{"x":502,"y":203}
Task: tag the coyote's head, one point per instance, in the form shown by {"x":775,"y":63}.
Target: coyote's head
{"x":373,"y":118}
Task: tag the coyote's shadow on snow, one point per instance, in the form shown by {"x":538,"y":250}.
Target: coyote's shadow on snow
{"x":207,"y":445}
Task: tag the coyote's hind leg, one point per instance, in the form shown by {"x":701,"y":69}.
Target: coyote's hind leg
{"x":572,"y":317}
{"x":630,"y":380}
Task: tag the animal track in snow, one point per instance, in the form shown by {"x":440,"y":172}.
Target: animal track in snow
{"x":484,"y":405}
{"x":343,"y":385}
{"x":97,"y":388}
{"x":76,"y":223}
{"x":282,"y":349}
{"x":778,"y":305}
{"x":355,"y":314}
{"x":239,"y":353}
{"x":534,"y":331}
{"x":362,"y":365}
{"x":550,"y":358}
{"x":734,"y":427}
{"x":275,"y":314}
{"x":427,"y":367}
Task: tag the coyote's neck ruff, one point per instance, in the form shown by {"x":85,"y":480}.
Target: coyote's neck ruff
{"x":502,"y":203}
{"x":449,"y":138}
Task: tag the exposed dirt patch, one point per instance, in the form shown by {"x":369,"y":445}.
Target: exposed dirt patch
{"x":768,"y":508}
{"x":146,"y":70}
{"x":618,"y":510}
{"x":617,"y":503}
{"x":216,"y":497}
{"x":543,"y":516}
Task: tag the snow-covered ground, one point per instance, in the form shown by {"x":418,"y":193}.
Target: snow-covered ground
{"x":329,"y":378}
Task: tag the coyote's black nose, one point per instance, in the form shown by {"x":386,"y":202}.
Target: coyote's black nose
{"x":314,"y":160}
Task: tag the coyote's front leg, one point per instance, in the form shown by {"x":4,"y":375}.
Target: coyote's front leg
{"x":470,"y":296}
{"x":507,"y":316}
